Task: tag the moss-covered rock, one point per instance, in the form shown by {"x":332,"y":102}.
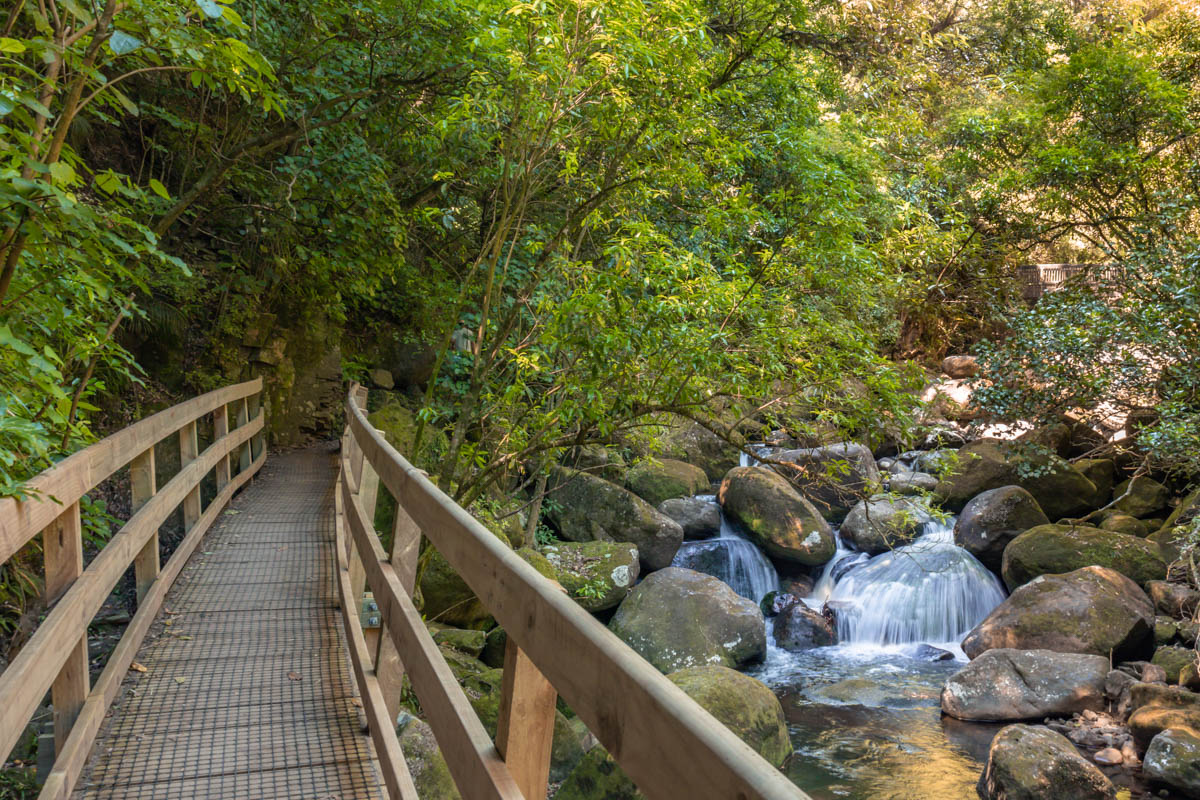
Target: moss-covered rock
{"x":665,"y":479}
{"x":426,"y":763}
{"x":1140,"y":496}
{"x":702,"y":448}
{"x":677,"y":618}
{"x":1030,"y":762}
{"x":566,"y":747}
{"x":597,"y":459}
{"x":1102,"y":472}
{"x":1053,"y":549}
{"x":587,"y":508}
{"x":1123,"y":523}
{"x":399,"y":425}
{"x":1148,"y":721}
{"x":466,"y":641}
{"x":992,"y":519}
{"x":447,"y":599}
{"x":741,"y":703}
{"x":883,"y":523}
{"x":776,"y":517}
{"x":597,"y":575}
{"x":1176,"y":600}
{"x":833,"y":477}
{"x":493,"y":647}
{"x":1059,"y":488}
{"x":1173,"y":759}
{"x":700,"y":517}
{"x":1173,"y":660}
{"x":597,"y":777}
{"x":1091,"y":610}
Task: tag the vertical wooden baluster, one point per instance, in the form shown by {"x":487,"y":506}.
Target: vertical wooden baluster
{"x":358,"y":575}
{"x":255,"y":445}
{"x":143,"y":485}
{"x":525,"y":728}
{"x":243,"y":416}
{"x":221,"y":429}
{"x":62,"y":542}
{"x":406,"y":546}
{"x":189,"y":448}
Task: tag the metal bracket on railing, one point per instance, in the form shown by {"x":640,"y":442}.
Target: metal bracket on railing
{"x":368,"y":611}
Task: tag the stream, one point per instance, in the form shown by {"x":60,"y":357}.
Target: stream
{"x":865,"y":715}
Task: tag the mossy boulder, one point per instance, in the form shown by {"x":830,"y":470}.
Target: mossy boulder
{"x":1102,"y":472}
{"x":702,"y":448}
{"x":1148,"y":721}
{"x":776,"y":517}
{"x":598,"y":777}
{"x":596,"y":459}
{"x":1174,"y":660}
{"x":678,"y":618}
{"x":1141,"y":496}
{"x":447,"y":599}
{"x":1123,"y":523}
{"x":1059,"y":488}
{"x":1053,"y":549}
{"x":700,"y":517}
{"x":1030,"y":762}
{"x":587,"y":508}
{"x":597,"y":575}
{"x":992,"y":519}
{"x":466,"y":641}
{"x":398,"y":425}
{"x":1187,"y":510}
{"x":833,"y":477}
{"x":1173,"y":759}
{"x":426,"y":763}
{"x":493,"y":647}
{"x":664,"y":479}
{"x":883,"y":523}
{"x":1091,"y":610}
{"x":566,"y":748}
{"x":742,"y":704}
{"x":1177,"y":600}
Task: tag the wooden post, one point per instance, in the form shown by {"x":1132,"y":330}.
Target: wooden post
{"x":255,"y":445}
{"x":389,"y":668}
{"x":243,"y":416}
{"x":143,"y":485}
{"x":525,"y":728}
{"x":189,"y":448}
{"x":220,"y":429}
{"x":63,"y":545}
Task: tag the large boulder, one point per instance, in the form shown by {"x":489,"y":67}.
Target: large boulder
{"x":699,"y":517}
{"x":1059,"y":488}
{"x":1174,"y":660}
{"x":745,"y":705}
{"x":598,"y":777}
{"x":1006,"y":684}
{"x":1053,"y":549}
{"x":587,"y":508}
{"x":1173,"y":759}
{"x":1030,"y":762}
{"x":1091,"y":610}
{"x":426,"y":764}
{"x":1123,"y":523}
{"x":597,"y":575}
{"x":701,"y":447}
{"x":665,"y":478}
{"x":1102,"y":472}
{"x":566,"y":746}
{"x":776,"y":517}
{"x":833,"y":477}
{"x":1140,"y":496}
{"x":596,"y":459}
{"x":798,"y":627}
{"x":960,"y":366}
{"x":677,"y":618}
{"x":447,"y":599}
{"x":884,"y":523}
{"x":1177,"y":600}
{"x":992,"y":519}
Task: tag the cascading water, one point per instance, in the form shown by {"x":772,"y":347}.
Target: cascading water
{"x":732,"y":558}
{"x":929,"y":591}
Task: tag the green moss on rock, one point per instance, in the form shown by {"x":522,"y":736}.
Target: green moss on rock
{"x":666,"y":479}
{"x":741,"y":703}
{"x":776,"y":516}
{"x":1054,"y":549}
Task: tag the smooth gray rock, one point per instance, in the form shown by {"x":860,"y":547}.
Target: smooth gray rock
{"x":1006,"y":684}
{"x":1173,"y":758}
{"x":798,"y":627}
{"x":700,"y":519}
{"x":833,"y":477}
{"x":992,"y":519}
{"x":1028,"y":762}
{"x":882,"y":523}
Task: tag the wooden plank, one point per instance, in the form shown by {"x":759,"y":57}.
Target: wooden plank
{"x":189,"y":448}
{"x":75,"y":475}
{"x":62,"y":545}
{"x":73,"y":755}
{"x":220,"y":428}
{"x":143,"y":484}
{"x":667,"y":743}
{"x":471,"y":756}
{"x":381,"y":722}
{"x":29,"y":675}
{"x":525,"y":727}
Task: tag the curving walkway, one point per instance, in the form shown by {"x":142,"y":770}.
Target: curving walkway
{"x":246,"y":691}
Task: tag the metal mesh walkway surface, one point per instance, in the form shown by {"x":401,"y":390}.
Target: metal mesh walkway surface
{"x":246,"y":691}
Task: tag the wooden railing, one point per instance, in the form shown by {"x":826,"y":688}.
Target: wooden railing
{"x":55,"y":659}
{"x":669,"y":745}
{"x":1037,"y":279}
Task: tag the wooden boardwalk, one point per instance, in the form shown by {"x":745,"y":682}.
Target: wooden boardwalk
{"x":247,"y":692}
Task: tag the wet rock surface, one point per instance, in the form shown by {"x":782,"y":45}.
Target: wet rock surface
{"x":1028,"y":762}
{"x":1006,"y":684}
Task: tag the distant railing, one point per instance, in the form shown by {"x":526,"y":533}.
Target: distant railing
{"x":55,"y":659}
{"x":1037,"y":279}
{"x":667,"y":743}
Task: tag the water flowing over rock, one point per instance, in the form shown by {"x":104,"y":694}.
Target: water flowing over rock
{"x":991,"y":520}
{"x":1008,"y":684}
{"x":775,"y":516}
{"x":588,"y":508}
{"x":732,"y":558}
{"x":1028,"y":762}
{"x":1091,"y":610}
{"x":1055,"y":549}
{"x":928,"y":591}
{"x":679,"y":618}
{"x":883,"y":523}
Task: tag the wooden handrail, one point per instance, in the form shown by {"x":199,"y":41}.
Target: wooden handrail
{"x":56,"y":658}
{"x":666,"y":742}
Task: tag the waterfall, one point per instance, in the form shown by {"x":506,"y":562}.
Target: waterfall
{"x":732,"y":558}
{"x":833,"y":570}
{"x":929,"y":591}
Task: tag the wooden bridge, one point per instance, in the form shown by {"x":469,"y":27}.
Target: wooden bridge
{"x":246,"y":671}
{"x":1039,"y":279}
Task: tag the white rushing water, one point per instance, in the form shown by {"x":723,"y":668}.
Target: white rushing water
{"x":732,"y":558}
{"x":930,"y":591}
